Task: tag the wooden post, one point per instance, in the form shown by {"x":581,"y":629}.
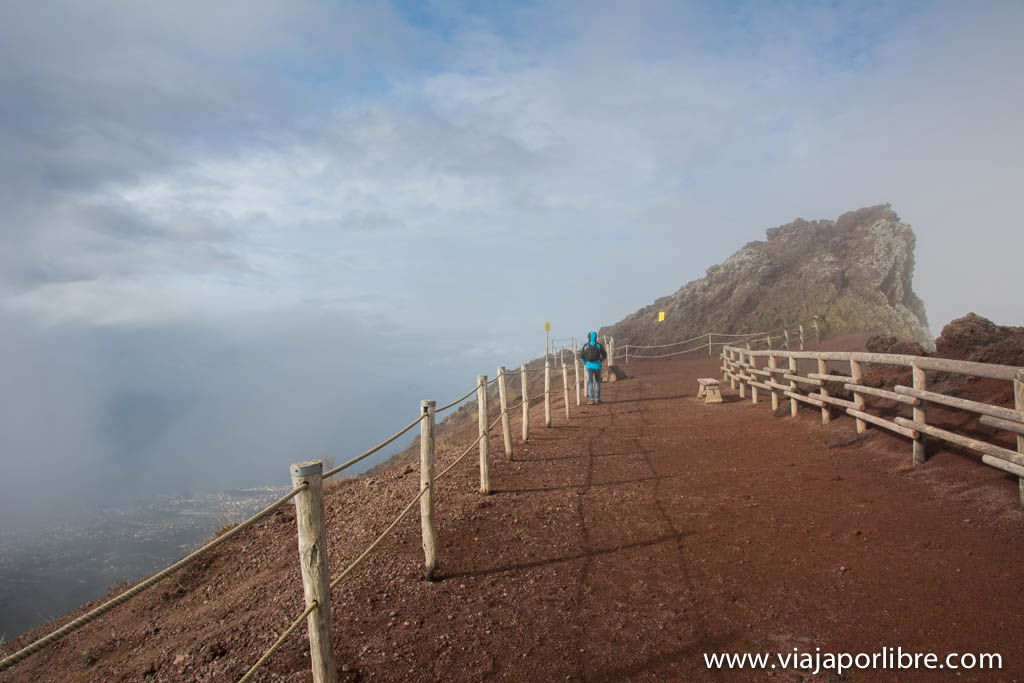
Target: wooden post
{"x":817,"y":330}
{"x":785,"y":333}
{"x":316,"y":580}
{"x":1018,"y":403}
{"x":768,"y":340}
{"x":565,"y":390}
{"x":576,"y":377}
{"x":857,"y":373}
{"x":526,"y":404}
{"x":709,"y":345}
{"x":742,"y":382}
{"x":826,"y":414}
{"x":753,"y":389}
{"x":732,"y":374}
{"x":794,"y":405}
{"x":920,"y":383}
{"x":801,"y":336}
{"x":773,"y":363}
{"x":547,"y":395}
{"x":561,"y":357}
{"x":506,"y":428}
{"x":427,"y":482}
{"x":626,"y":349}
{"x":485,"y":446}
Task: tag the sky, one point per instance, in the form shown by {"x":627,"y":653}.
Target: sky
{"x":237,"y":235}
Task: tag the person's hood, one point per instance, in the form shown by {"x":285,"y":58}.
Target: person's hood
{"x":593,"y":337}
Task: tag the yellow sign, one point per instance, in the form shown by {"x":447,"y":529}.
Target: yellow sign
{"x":547,"y":327}
{"x":661,"y":316}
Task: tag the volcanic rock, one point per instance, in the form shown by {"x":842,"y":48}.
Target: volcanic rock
{"x":854,"y":273}
{"x":976,"y":338}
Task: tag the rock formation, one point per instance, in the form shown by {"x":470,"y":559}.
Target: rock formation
{"x":975,"y":338}
{"x":854,"y":272}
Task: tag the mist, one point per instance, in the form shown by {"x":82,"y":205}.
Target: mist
{"x":240,"y":236}
{"x":100,"y":416}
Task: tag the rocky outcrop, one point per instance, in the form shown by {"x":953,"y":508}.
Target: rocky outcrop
{"x":975,"y":338}
{"x":854,"y":272}
{"x":890,"y":343}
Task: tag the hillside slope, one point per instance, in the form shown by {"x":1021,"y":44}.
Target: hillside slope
{"x":855,"y":272}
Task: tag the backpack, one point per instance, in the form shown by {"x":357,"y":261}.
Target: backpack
{"x":592,"y":353}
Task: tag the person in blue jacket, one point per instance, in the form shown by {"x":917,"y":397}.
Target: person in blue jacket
{"x":592,"y":354}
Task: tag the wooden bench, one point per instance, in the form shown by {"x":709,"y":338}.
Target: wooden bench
{"x":709,"y":390}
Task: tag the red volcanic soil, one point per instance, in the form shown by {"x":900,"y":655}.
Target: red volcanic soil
{"x":621,"y":544}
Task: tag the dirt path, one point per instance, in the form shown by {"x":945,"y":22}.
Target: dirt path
{"x":652,"y":529}
{"x":623,"y":545}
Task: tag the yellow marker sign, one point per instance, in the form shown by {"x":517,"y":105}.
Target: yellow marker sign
{"x":661,"y":316}
{"x":547,"y":327}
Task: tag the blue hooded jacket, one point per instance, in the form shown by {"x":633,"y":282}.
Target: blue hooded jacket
{"x":594,"y":365}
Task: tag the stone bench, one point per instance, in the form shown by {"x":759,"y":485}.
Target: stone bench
{"x":709,"y":390}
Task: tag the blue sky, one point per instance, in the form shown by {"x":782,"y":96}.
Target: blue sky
{"x":222,"y":223}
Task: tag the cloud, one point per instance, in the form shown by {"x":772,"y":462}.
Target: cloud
{"x":416,"y":189}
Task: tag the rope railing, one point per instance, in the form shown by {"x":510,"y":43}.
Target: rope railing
{"x":662,"y":346}
{"x":313,"y":499}
{"x":742,"y":334}
{"x":458,"y":400}
{"x":280,"y":641}
{"x":94,"y":614}
{"x":368,"y":453}
{"x":424,"y":489}
{"x":470,"y":447}
{"x":369,"y":549}
{"x":674,"y":353}
{"x":743,"y":337}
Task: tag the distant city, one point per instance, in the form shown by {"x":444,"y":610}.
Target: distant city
{"x":45,"y":574}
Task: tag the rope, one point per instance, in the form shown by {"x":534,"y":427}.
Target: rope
{"x":277,"y":643}
{"x":663,"y":355}
{"x":382,"y":444}
{"x":457,"y":401}
{"x":492,"y":381}
{"x":745,"y":334}
{"x":716,"y":334}
{"x":401,"y":515}
{"x":81,"y":621}
{"x":661,"y":346}
{"x":468,"y":449}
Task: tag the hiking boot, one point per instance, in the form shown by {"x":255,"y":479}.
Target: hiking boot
{"x":590,"y":402}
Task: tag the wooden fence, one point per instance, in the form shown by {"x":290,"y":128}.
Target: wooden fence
{"x":308,"y":480}
{"x":741,"y":367}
